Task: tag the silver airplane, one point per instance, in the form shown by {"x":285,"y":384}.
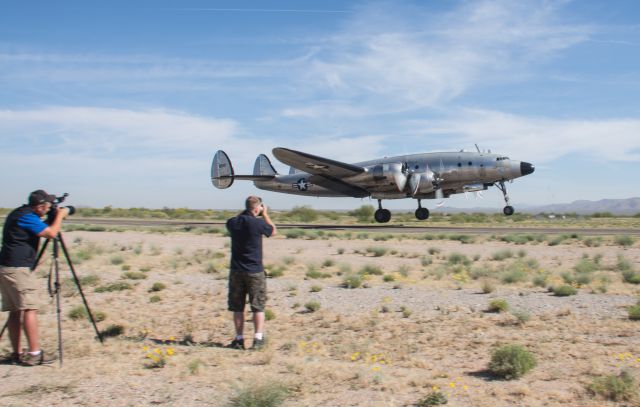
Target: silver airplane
{"x":418,"y":176}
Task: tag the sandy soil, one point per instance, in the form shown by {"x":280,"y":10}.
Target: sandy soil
{"x":389,"y":343}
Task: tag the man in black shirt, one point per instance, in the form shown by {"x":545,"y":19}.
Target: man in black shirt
{"x":246,"y":274}
{"x":22,"y":231}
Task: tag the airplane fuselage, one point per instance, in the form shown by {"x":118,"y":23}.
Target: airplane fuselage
{"x":458,"y":171}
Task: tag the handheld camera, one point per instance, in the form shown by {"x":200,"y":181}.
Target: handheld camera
{"x":55,"y":205}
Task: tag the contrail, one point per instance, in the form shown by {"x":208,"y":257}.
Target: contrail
{"x":263,"y":10}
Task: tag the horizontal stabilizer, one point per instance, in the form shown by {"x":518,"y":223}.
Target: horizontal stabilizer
{"x":222,"y":175}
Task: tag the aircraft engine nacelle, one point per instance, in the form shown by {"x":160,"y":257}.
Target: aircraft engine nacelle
{"x":392,"y":173}
{"x":422,"y":183}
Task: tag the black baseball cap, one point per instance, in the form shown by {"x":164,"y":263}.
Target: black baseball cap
{"x":39,"y":197}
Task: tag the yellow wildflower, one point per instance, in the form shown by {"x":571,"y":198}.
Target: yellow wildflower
{"x":170,"y":351}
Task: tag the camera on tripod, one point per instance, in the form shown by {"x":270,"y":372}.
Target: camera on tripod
{"x":54,"y":208}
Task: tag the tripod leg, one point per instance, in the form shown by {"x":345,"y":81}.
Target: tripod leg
{"x":77,"y":281}
{"x":44,"y":247}
{"x":56,"y":288}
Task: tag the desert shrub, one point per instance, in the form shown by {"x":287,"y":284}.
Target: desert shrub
{"x":371,"y":270}
{"x":295,"y":233}
{"x":433,"y":250}
{"x":564,"y":290}
{"x":312,"y":306}
{"x":276,"y":272}
{"x":425,"y":261}
{"x":387,"y":278}
{"x":464,"y":239}
{"x":78,"y":312}
{"x":511,"y":361}
{"x":112,"y":330}
{"x":303,"y":213}
{"x":363,"y":213}
{"x":540,"y":280}
{"x":586,"y":265}
{"x":502,"y":255}
{"x":134,"y":275}
{"x":116,"y":260}
{"x":328,"y":263}
{"x":498,"y":305}
{"x":157,"y":287}
{"x":458,"y":258}
{"x":118,"y":286}
{"x":435,"y":398}
{"x":288,"y":260}
{"x":593,"y":241}
{"x":315,"y":288}
{"x":624,"y":241}
{"x":377,"y":251}
{"x":488,"y":286}
{"x":265,"y":395}
{"x":634,"y":312}
{"x":312,"y":273}
{"x":630,"y":276}
{"x":521,"y":238}
{"x":352,"y":281}
{"x":155,"y":298}
{"x":513,"y":275}
{"x":522,"y":316}
{"x":615,"y":388}
{"x":269,"y":315}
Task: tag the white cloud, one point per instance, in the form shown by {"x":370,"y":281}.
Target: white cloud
{"x":386,"y":60}
{"x":541,"y":139}
{"x":99,"y":131}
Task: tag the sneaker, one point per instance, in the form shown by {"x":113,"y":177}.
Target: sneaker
{"x":10,"y":359}
{"x":37,"y":360}
{"x":258,"y":344}
{"x":236,"y":344}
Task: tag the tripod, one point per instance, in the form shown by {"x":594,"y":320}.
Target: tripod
{"x":55,"y":275}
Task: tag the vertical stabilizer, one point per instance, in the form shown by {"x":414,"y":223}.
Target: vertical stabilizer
{"x":263,"y":166}
{"x":221,"y":170}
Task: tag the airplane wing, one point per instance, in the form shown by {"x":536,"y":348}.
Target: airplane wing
{"x":316,"y":165}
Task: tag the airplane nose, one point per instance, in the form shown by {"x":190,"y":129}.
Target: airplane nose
{"x":526,"y":168}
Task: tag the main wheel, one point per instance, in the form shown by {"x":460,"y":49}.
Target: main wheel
{"x":508,"y":210}
{"x":422,"y":213}
{"x":382,"y":215}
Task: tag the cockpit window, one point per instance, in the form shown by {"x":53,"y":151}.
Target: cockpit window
{"x":502,"y":158}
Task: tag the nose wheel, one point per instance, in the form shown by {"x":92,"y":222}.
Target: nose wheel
{"x":508,"y":210}
{"x":382,"y":215}
{"x":421,"y":213}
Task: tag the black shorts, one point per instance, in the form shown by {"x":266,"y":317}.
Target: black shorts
{"x":242,"y":283}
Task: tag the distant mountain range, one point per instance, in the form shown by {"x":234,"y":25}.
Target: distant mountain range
{"x":629,"y":206}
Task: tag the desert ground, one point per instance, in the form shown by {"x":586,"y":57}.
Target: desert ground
{"x":416,"y":321}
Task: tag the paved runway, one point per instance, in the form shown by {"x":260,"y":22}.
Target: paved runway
{"x":392,"y":228}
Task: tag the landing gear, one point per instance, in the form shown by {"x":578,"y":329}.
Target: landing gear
{"x":382,"y":215}
{"x":421,"y":213}
{"x":508,"y":210}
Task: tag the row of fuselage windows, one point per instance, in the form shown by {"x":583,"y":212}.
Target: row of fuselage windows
{"x":470,"y":163}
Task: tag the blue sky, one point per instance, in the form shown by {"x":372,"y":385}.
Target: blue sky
{"x":125,"y":103}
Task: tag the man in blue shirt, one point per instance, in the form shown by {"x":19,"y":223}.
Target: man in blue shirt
{"x":21,"y":235}
{"x":246,"y":274}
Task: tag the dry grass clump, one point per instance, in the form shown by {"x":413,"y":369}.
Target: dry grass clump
{"x":564,"y":290}
{"x":117,"y":286}
{"x":634,"y":312}
{"x":615,"y":388}
{"x":498,"y":305}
